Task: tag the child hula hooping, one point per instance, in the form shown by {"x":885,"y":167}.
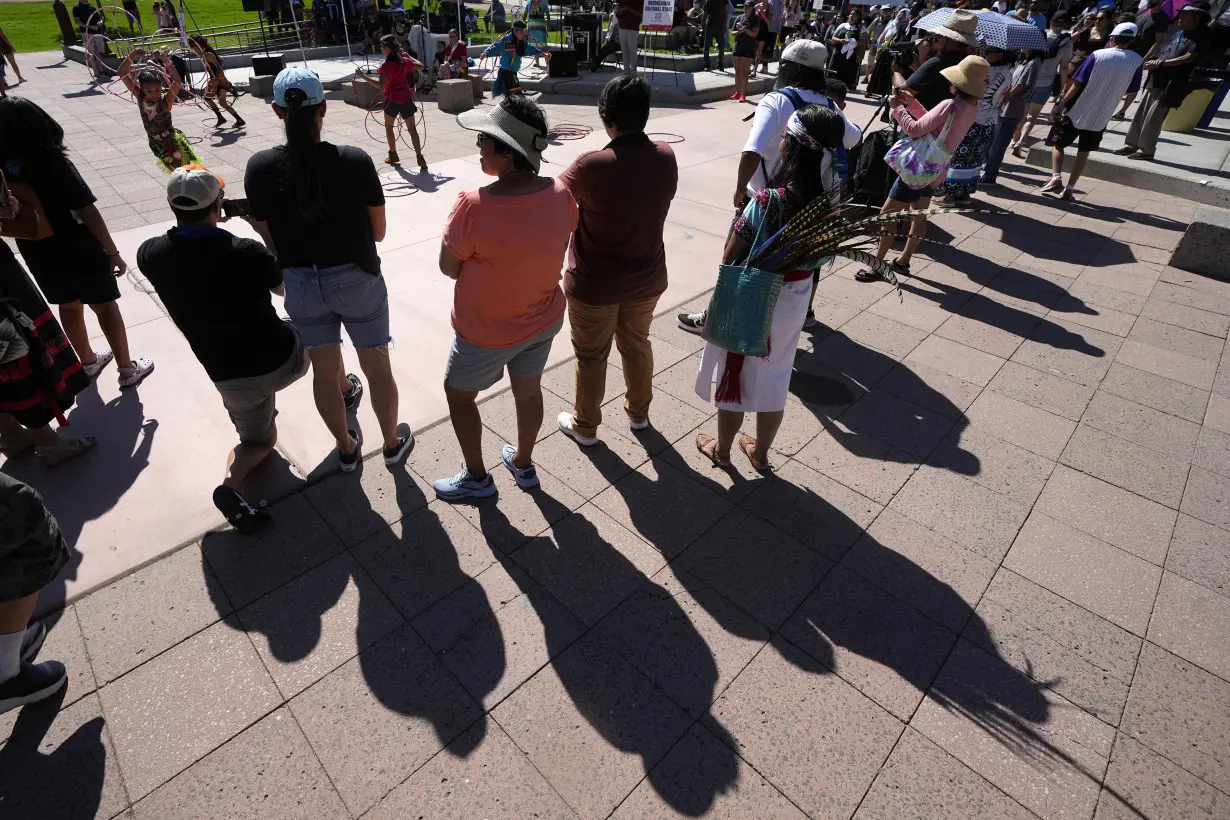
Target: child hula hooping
{"x":218,"y":84}
{"x":169,"y":145}
{"x":397,"y":71}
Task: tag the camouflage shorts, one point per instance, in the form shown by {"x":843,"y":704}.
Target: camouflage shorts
{"x":32,"y":550}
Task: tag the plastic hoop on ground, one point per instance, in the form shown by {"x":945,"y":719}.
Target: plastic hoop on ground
{"x":675,"y":138}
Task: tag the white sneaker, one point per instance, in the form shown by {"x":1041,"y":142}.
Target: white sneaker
{"x":565,"y":425}
{"x":637,"y":426}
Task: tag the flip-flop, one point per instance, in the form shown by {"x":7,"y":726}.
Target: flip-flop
{"x":748,"y":445}
{"x":708,"y":446}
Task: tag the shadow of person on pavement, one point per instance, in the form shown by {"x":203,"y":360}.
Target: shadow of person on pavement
{"x":282,"y":588}
{"x":635,"y":621}
{"x":846,"y":594}
{"x":82,"y":490}
{"x":66,"y":783}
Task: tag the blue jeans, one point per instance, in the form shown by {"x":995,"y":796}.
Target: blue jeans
{"x":320,"y":301}
{"x":999,"y":147}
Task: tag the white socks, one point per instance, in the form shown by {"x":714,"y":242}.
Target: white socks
{"x":10,"y":654}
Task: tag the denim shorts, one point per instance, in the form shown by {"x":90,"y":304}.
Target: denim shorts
{"x":320,"y":300}
{"x":904,"y":193}
{"x":1041,"y":95}
{"x":251,"y":402}
{"x":471,"y":367}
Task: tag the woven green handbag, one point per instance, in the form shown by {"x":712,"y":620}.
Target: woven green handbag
{"x":741,"y":307}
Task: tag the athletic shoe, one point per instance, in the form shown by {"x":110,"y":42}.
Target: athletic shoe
{"x":692,"y":322}
{"x":66,"y":447}
{"x":810,"y":320}
{"x":638,"y":426}
{"x":33,"y":682}
{"x":526,"y":477}
{"x":355,"y":392}
{"x":239,"y":513}
{"x":104,"y":359}
{"x":463,"y":486}
{"x":1053,"y":186}
{"x":397,"y":454}
{"x":32,"y":641}
{"x":392,"y":158}
{"x":132,"y":376}
{"x":349,"y":462}
{"x":565,"y":426}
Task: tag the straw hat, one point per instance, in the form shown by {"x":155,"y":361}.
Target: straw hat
{"x":521,"y":137}
{"x":960,"y":26}
{"x":969,"y":75}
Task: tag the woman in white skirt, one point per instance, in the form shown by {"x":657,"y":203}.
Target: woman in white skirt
{"x":759,"y":384}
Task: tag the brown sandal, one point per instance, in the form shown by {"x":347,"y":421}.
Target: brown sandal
{"x":748,"y":445}
{"x":708,"y":446}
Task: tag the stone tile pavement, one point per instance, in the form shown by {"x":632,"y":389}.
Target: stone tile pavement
{"x":988,"y":578}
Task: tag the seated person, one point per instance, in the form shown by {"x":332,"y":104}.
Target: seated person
{"x":684,"y":35}
{"x":456,"y":59}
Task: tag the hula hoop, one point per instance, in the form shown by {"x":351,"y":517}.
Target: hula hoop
{"x":377,"y":104}
{"x":566,"y":131}
{"x":676,"y":137}
{"x":121,"y":48}
{"x":396,"y":188}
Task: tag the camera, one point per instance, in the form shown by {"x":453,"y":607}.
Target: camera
{"x":236,"y":207}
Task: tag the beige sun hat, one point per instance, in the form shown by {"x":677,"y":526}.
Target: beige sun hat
{"x":496,"y":122}
{"x":969,"y":75}
{"x":960,"y":26}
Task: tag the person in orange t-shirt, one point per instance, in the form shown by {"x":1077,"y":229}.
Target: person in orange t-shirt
{"x":504,"y":244}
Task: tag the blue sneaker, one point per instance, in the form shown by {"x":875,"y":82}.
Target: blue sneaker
{"x":462,"y":486}
{"x":526,"y":477}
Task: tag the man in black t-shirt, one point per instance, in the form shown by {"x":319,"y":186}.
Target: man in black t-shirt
{"x":1169,"y":63}
{"x":715,"y":29}
{"x":216,"y":288}
{"x":949,"y":44}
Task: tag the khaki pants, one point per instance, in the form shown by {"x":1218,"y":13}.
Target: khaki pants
{"x":593,"y":329}
{"x":1147,"y":124}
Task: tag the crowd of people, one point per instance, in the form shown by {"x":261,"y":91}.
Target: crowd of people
{"x":319,"y":211}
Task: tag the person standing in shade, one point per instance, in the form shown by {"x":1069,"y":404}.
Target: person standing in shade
{"x":629,"y":13}
{"x":216,"y":288}
{"x":715,"y":29}
{"x":1085,"y":109}
{"x":617,"y":260}
{"x":1020,"y":91}
{"x":1054,"y":68}
{"x":1036,"y":17}
{"x":1152,"y":25}
{"x":320,"y":208}
{"x":1170,"y":65}
{"x":504,"y":245}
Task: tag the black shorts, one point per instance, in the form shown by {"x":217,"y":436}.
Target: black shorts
{"x":406,"y":109}
{"x":84,"y":278}
{"x":1086,"y":141}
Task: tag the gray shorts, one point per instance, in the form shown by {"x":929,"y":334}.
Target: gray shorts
{"x":471,"y":367}
{"x":320,"y":301}
{"x":250,"y":400}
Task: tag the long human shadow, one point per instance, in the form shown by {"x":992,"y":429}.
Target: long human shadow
{"x":869,"y":600}
{"x":646,"y":627}
{"x":406,"y":567}
{"x":68,"y":782}
{"x":85,"y":488}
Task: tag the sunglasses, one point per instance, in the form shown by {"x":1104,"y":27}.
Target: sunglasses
{"x":484,"y":138}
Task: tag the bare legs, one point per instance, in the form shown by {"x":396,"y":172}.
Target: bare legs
{"x":1027,"y":124}
{"x":14,"y":615}
{"x":767,"y":425}
{"x":918,"y":229}
{"x":527,"y":395}
{"x":110,"y":320}
{"x":390,"y":135}
{"x":374,"y":362}
{"x":10,"y":428}
{"x":12,"y":58}
{"x":243,"y":461}
{"x":468,"y":427}
{"x":742,"y":67}
{"x":326,"y":367}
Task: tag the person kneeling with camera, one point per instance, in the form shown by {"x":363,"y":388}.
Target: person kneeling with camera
{"x":216,"y":287}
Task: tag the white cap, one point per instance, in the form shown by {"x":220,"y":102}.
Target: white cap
{"x":807,"y":52}
{"x":194,"y":187}
{"x":1124,"y":30}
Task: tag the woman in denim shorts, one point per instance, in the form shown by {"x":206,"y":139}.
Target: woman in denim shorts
{"x":320,"y":208}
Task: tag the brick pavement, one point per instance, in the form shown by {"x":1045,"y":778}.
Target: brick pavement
{"x":988,"y":579}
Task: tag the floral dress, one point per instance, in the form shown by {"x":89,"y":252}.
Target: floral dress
{"x":170,"y":146}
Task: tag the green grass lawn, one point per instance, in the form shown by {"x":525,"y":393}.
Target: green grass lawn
{"x":33,"y":27}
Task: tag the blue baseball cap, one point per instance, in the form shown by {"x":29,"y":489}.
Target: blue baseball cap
{"x":297,"y":79}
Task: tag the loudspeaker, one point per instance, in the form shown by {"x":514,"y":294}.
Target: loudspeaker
{"x":563,"y":64}
{"x":257,"y":5}
{"x":267,"y":66}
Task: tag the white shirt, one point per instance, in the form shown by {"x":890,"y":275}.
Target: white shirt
{"x":769,"y":126}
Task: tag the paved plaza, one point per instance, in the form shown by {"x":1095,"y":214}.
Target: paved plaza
{"x":988,"y":578}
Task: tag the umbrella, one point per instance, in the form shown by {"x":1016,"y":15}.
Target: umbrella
{"x":994,"y":30}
